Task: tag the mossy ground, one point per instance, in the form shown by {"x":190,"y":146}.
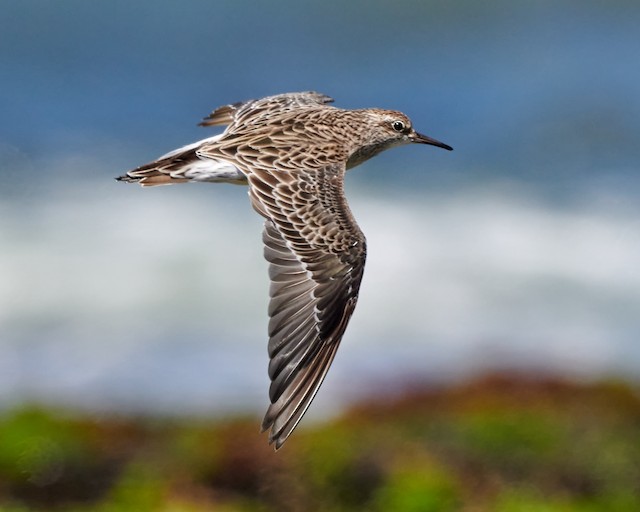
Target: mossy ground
{"x":501,"y":443}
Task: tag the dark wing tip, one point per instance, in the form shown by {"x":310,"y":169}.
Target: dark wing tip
{"x":222,"y":115}
{"x":322,"y":98}
{"x":127,"y":179}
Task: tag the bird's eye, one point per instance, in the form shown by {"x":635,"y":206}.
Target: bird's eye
{"x":398,"y":126}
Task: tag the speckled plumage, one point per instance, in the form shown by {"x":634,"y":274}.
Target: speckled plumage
{"x":293,"y":151}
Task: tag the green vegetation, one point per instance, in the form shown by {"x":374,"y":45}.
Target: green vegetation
{"x":497,"y":444}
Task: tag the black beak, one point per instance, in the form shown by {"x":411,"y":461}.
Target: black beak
{"x":423,"y":139}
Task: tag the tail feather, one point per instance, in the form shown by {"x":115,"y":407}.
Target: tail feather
{"x":151,"y":179}
{"x":183,"y":165}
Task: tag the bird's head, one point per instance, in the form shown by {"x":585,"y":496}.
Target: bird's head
{"x":396,"y":128}
{"x":387,"y":129}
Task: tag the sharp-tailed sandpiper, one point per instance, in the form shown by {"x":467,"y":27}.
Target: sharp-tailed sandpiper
{"x":293,"y":150}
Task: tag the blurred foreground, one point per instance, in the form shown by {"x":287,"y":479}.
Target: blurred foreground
{"x":501,"y":443}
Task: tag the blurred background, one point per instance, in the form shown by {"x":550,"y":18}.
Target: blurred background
{"x":516,"y":252}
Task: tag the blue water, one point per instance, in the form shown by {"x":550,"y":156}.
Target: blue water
{"x":517,"y":250}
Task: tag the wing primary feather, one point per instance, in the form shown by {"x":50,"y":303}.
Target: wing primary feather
{"x":315,"y":276}
{"x":285,"y":420}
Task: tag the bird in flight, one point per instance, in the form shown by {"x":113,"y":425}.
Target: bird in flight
{"x":293,"y":150}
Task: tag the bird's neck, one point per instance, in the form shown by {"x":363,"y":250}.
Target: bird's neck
{"x":364,"y":153}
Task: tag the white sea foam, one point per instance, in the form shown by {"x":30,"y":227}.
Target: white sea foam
{"x":116,"y":296}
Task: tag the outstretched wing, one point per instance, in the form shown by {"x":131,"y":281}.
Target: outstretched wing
{"x":237,"y":112}
{"x":316,"y":254}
